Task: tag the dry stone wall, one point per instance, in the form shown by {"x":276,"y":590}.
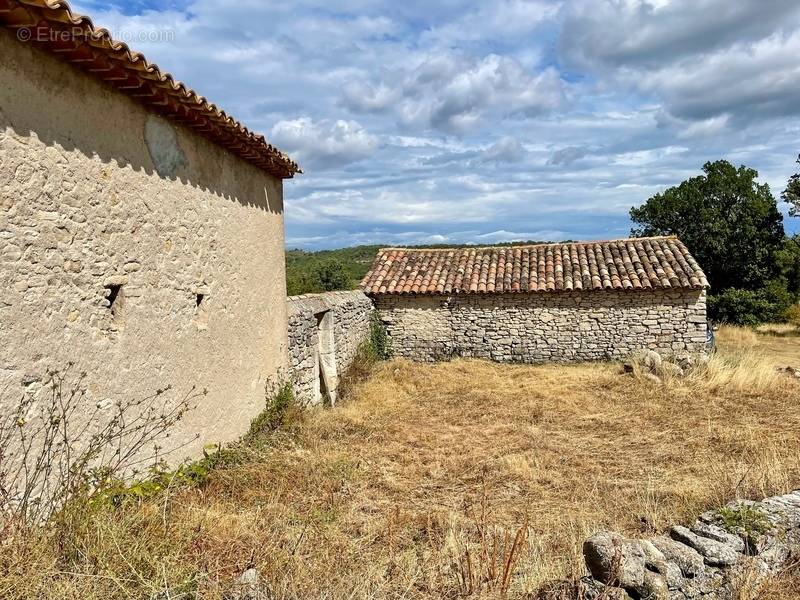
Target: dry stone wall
{"x":325,"y":331}
{"x":569,"y":326}
{"x":712,"y":559}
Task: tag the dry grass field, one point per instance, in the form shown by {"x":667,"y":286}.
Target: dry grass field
{"x":461,"y":479}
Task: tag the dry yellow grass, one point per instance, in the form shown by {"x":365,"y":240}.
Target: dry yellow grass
{"x":462,"y":478}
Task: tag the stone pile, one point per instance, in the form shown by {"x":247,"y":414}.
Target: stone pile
{"x":707,"y":560}
{"x":790,"y":371}
{"x":655,"y":367}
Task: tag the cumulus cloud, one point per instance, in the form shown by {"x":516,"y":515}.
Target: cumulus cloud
{"x":616,"y":33}
{"x":499,"y":20}
{"x":453,"y":94}
{"x":710,"y":62}
{"x":754,"y":81}
{"x":506,"y":150}
{"x":324,"y":144}
{"x":457,"y":121}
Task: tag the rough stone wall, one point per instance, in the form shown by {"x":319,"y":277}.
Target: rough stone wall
{"x":713,"y":559}
{"x":97,"y":195}
{"x":569,"y":326}
{"x":349,"y":318}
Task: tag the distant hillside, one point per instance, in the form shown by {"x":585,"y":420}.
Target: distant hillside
{"x":329,"y":270}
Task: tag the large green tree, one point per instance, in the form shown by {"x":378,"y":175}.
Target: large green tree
{"x":729,"y":221}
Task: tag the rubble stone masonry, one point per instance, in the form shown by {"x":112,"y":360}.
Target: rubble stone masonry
{"x":333,"y":324}
{"x":539,"y":327}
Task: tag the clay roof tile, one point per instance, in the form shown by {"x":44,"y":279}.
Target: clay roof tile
{"x":633,"y":264}
{"x":93,"y":50}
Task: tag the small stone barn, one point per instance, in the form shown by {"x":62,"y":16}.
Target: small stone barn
{"x":560,"y":302}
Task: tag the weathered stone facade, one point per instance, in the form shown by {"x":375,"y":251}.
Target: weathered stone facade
{"x":325,"y":331}
{"x":135,"y":248}
{"x":538,"y":327}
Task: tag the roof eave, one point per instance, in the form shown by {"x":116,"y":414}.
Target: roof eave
{"x":95,"y":52}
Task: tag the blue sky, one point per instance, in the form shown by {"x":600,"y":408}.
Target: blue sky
{"x":419,"y":122}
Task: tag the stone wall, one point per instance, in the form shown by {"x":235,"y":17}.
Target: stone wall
{"x":561,"y":326}
{"x":134,"y":248}
{"x":325,"y":331}
{"x":713,"y":559}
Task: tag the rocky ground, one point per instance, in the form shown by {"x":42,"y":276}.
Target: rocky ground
{"x":743,"y":542}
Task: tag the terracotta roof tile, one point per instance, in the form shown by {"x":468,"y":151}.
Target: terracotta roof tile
{"x":633,"y":264}
{"x":76,"y":40}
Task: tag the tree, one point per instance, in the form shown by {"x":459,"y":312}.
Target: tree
{"x":790,"y":258}
{"x":791,"y":195}
{"x":333,"y":275}
{"x":729,"y":221}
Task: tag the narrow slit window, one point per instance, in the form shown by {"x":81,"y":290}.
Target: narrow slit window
{"x":201,"y":301}
{"x":113,"y":294}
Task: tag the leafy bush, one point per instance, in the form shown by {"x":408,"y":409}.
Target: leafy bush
{"x":281,"y":410}
{"x":750,"y":307}
{"x":746,"y":521}
{"x":792,"y":315}
{"x":324,"y":276}
{"x":379,"y":341}
{"x":192,"y":474}
{"x":374,"y":349}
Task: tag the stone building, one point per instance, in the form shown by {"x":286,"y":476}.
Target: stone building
{"x":561,"y":302}
{"x":141,"y":229}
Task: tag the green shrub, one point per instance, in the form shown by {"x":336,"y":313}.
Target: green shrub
{"x":374,"y":349}
{"x":750,"y":307}
{"x":379,"y":342}
{"x":792,"y":315}
{"x":120,"y":492}
{"x":281,"y":410}
{"x":744,"y":519}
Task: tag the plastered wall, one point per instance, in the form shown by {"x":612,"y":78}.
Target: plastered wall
{"x":569,"y":326}
{"x":100,"y":198}
{"x":332,"y":325}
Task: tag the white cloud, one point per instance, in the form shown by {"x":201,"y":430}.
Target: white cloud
{"x":710,"y":63}
{"x":567,"y":155}
{"x":324,"y":144}
{"x":742,"y":82}
{"x":498,"y":20}
{"x":508,"y":149}
{"x":457,"y":121}
{"x":616,"y":33}
{"x":454,"y":94}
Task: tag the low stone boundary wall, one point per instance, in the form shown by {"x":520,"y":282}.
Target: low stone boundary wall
{"x":742,"y":542}
{"x":325,"y":331}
